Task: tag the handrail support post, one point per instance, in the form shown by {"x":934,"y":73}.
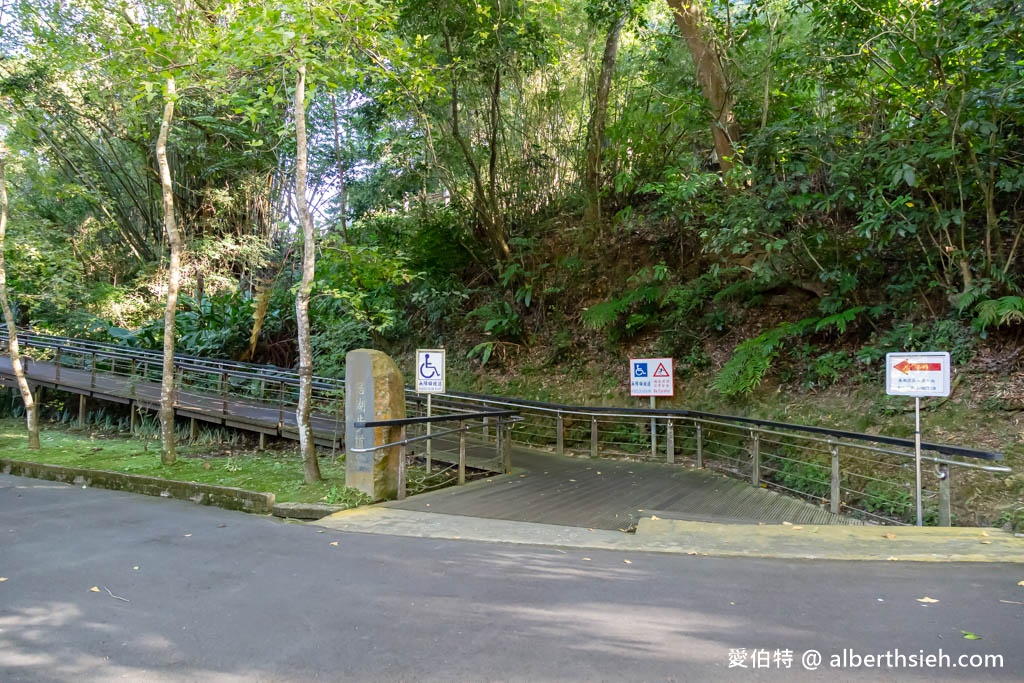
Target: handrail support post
{"x":560,"y":435}
{"x":835,"y":503}
{"x":945,"y":518}
{"x":755,"y":457}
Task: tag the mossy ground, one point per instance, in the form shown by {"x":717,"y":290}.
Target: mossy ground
{"x":277,"y":471}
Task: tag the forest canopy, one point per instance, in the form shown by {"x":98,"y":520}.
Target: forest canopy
{"x":838,"y":179}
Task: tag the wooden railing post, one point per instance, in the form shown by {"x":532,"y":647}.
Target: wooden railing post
{"x":462,"y":453}
{"x":559,"y":436}
{"x":593,"y":436}
{"x":700,"y":446}
{"x":945,"y":517}
{"x":401,"y":464}
{"x":670,"y":442}
{"x":836,"y":502}
{"x":755,"y":457}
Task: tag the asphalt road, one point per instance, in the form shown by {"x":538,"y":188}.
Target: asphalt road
{"x":187,"y":593}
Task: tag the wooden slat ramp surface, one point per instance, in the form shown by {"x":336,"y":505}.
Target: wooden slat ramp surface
{"x":613,"y":494}
{"x":545,"y":488}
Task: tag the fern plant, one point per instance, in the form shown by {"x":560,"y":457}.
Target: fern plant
{"x":1002,"y":312}
{"x":752,"y":359}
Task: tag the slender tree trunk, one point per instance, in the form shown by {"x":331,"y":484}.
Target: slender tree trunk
{"x":167,"y":390}
{"x":31,"y":409}
{"x":485,"y":206}
{"x":707,"y":62}
{"x":310,"y":465}
{"x":342,"y":189}
{"x":595,"y":141}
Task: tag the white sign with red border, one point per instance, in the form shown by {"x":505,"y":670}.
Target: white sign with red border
{"x":917,"y":374}
{"x":651,"y":377}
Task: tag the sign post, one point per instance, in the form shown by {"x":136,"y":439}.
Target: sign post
{"x":651,"y":377}
{"x":429,"y":380}
{"x":917,"y":375}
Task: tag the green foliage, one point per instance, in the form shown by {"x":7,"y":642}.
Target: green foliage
{"x":636,"y":308}
{"x":500,"y":319}
{"x":809,"y":478}
{"x":950,"y":335}
{"x":1002,"y":312}
{"x":752,"y":359}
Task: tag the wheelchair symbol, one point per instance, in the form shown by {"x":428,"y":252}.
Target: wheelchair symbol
{"x":640,"y":370}
{"x":428,"y":371}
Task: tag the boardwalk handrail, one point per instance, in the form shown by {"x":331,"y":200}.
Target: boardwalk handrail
{"x":769,"y":452}
{"x":252,"y":370}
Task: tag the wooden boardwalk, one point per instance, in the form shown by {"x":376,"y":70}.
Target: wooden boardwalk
{"x":614,"y":494}
{"x":231,"y":411}
{"x":544,"y":488}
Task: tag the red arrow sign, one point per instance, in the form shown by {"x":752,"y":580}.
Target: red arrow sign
{"x":905,"y":366}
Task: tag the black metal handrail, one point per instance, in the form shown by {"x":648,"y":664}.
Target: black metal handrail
{"x":285,"y":376}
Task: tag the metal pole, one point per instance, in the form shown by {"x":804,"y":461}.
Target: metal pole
{"x":700,"y":446}
{"x":593,"y":436}
{"x":462,"y":453}
{"x":836,"y":492}
{"x":654,"y":428}
{"x":670,"y":443}
{"x":429,"y":444}
{"x":917,"y":456}
{"x":945,"y":519}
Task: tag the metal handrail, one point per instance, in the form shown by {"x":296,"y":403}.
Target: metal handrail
{"x":520,"y":404}
{"x":734,"y":441}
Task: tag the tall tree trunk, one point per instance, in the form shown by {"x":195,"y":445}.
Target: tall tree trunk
{"x":707,"y":62}
{"x":31,"y":409}
{"x":167,"y":390}
{"x":595,"y":141}
{"x":310,"y":465}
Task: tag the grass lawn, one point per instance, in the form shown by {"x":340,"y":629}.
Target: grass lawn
{"x":274,"y":471}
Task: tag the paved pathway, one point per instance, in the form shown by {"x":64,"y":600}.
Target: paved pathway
{"x":185,"y":593}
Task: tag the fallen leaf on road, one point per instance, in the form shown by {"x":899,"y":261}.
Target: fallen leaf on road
{"x":627,"y":562}
{"x":1012,"y":602}
{"x":95,"y":589}
{"x":334,"y":543}
{"x":970,"y":636}
{"x":798,"y":527}
{"x":655,"y":517}
{"x":890,"y":536}
{"x":136,"y":568}
{"x":2,"y":579}
{"x":586,"y":559}
{"x":984,"y":533}
{"x":987,"y":542}
{"x":187,"y":535}
{"x":926,"y":599}
{"x":1020,"y":583}
{"x":787,"y":524}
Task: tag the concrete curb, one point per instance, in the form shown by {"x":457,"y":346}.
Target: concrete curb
{"x":226,"y":497}
{"x":790,"y":542}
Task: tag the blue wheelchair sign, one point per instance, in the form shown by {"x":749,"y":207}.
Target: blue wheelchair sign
{"x":640,"y":370}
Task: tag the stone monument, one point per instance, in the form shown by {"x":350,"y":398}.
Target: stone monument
{"x":373,"y":391}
